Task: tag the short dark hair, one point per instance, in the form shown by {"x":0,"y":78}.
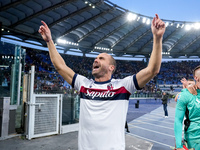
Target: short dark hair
{"x":198,"y":67}
{"x":113,"y":62}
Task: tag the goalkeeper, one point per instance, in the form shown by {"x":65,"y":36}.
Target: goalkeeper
{"x":191,"y":103}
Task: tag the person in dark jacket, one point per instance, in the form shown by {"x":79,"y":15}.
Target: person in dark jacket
{"x":164,"y":102}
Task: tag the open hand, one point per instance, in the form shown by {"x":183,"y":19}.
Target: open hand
{"x":192,"y":89}
{"x":45,"y":32}
{"x":158,"y":27}
{"x":184,"y":82}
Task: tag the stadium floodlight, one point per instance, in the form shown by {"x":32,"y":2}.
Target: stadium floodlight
{"x":93,"y":6}
{"x":196,"y":26}
{"x":90,"y":4}
{"x":188,"y":27}
{"x":166,"y":24}
{"x":182,"y":25}
{"x":138,"y":18}
{"x":61,"y":41}
{"x":103,"y":48}
{"x":144,"y":20}
{"x":2,"y":29}
{"x":86,"y":2}
{"x":172,"y":24}
{"x":177,"y":25}
{"x":131,"y":16}
{"x":148,"y":21}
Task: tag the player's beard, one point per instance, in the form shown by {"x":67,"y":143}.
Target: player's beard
{"x":100,"y":72}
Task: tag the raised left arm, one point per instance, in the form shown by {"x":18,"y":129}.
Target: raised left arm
{"x":153,"y":68}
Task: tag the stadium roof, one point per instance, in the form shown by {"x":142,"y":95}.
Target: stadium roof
{"x":95,"y":25}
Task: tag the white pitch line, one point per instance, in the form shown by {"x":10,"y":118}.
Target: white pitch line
{"x":153,"y":131}
{"x":150,"y":115}
{"x":154,"y":124}
{"x":156,"y":114}
{"x":162,"y":111}
{"x":169,"y":120}
{"x":155,"y":120}
{"x":150,"y":140}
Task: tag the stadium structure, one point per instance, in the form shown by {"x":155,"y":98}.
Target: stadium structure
{"x":81,"y":29}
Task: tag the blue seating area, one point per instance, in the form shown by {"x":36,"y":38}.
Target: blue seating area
{"x":7,"y":48}
{"x":170,"y":73}
{"x":173,"y":72}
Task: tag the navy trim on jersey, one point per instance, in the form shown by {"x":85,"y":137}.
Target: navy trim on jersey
{"x":103,"y":82}
{"x":136,"y":83}
{"x":73,"y":80}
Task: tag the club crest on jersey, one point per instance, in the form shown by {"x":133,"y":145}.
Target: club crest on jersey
{"x":179,"y":96}
{"x":109,"y":87}
{"x":198,"y":101}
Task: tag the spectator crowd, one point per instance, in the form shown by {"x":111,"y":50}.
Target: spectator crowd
{"x":48,"y":80}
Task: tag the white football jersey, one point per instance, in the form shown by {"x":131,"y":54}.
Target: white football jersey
{"x":103,"y":109}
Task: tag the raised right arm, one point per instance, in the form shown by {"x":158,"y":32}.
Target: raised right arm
{"x":58,"y":62}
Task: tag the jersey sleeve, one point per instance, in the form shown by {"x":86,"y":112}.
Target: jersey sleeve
{"x":131,"y":84}
{"x":78,"y":81}
{"x":181,"y":105}
{"x":179,"y":115}
{"x":182,"y":100}
{"x":176,"y":98}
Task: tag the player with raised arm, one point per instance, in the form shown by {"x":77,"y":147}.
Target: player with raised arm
{"x":104,"y":100}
